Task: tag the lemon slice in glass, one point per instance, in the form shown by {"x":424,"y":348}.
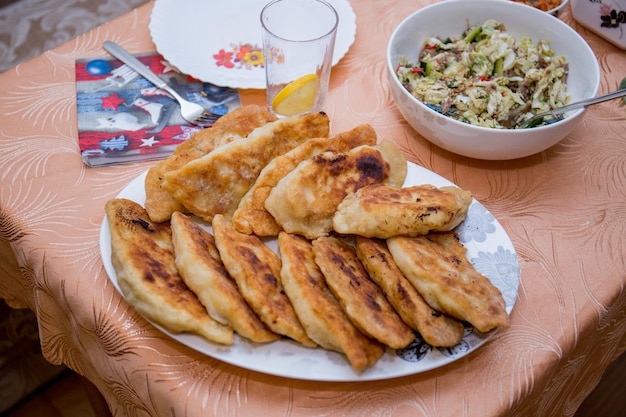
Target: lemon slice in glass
{"x":296,"y":97}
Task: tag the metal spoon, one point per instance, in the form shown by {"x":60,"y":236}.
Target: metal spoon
{"x":557,"y":114}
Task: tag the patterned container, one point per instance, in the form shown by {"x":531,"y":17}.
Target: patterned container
{"x":607,"y":18}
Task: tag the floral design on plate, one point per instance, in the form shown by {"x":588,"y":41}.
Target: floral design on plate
{"x":477,"y":226}
{"x":242,"y":56}
{"x":420,"y":349}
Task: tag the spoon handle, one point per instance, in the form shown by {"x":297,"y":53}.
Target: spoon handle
{"x":576,"y":105}
{"x":589,"y":101}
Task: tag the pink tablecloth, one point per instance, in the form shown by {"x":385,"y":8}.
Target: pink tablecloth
{"x":564,"y":209}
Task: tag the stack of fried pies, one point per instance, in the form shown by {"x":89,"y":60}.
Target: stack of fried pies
{"x":362,"y":263}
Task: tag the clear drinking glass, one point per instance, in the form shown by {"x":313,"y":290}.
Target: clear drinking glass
{"x":298,"y":44}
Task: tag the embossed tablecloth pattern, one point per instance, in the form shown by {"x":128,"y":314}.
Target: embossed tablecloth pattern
{"x":564,"y":209}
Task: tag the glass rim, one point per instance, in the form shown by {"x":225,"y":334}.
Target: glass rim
{"x":326,"y":34}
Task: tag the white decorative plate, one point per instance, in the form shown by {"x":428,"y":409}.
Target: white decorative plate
{"x":220,"y":42}
{"x":488,"y":248}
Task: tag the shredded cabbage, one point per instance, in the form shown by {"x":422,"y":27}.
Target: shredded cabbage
{"x":486,"y":77}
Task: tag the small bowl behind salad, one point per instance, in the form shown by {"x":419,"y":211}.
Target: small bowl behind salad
{"x":447,"y":21}
{"x":554,"y":7}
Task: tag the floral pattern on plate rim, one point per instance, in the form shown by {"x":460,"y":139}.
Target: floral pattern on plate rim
{"x":240,"y":56}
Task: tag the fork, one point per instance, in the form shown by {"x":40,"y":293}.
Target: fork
{"x":538,"y":119}
{"x":191,"y":112}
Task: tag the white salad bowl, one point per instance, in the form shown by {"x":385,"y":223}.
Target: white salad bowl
{"x":451,"y":18}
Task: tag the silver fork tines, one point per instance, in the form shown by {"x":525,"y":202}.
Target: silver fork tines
{"x":191,"y":112}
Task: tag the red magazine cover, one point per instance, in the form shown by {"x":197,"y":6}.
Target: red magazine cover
{"x":124,"y":118}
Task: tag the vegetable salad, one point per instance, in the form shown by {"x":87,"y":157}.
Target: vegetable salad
{"x":486,"y":77}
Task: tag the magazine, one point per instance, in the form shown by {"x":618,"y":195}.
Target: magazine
{"x":124,"y":118}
